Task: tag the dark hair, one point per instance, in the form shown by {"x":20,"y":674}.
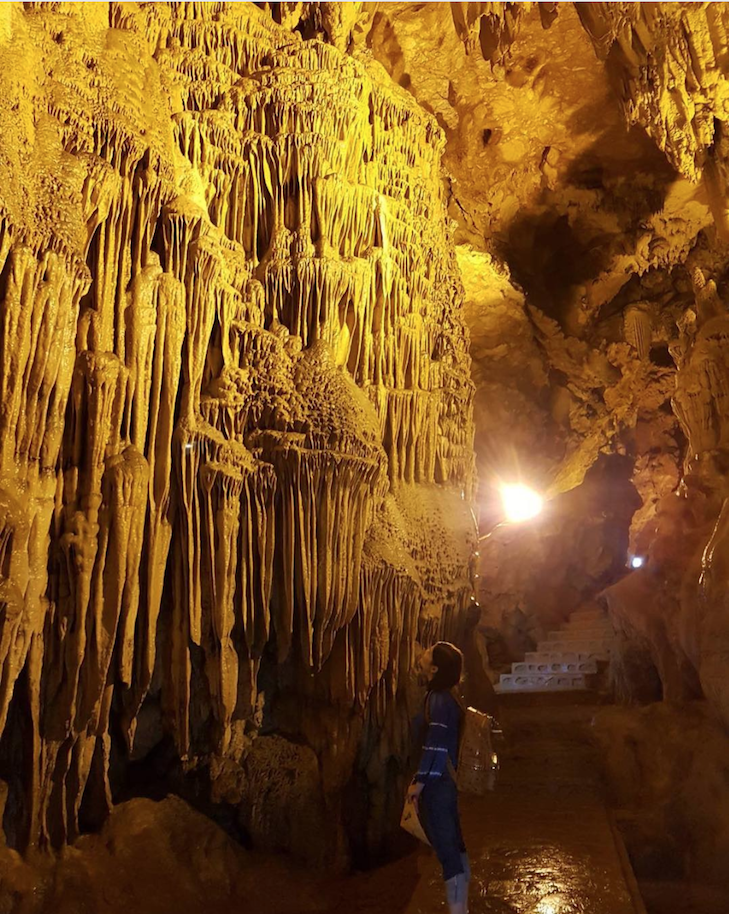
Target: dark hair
{"x":449,"y":661}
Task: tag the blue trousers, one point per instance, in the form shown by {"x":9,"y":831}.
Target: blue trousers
{"x":438,"y":810}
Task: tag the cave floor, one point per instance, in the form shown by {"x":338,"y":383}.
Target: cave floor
{"x":542,"y":843}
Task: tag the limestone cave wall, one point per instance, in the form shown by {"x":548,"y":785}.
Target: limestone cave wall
{"x":236,"y":430}
{"x":239,"y":372}
{"x":672,"y":612}
{"x":585,"y":151}
{"x":666,"y":63}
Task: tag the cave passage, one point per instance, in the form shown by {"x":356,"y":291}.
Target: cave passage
{"x":330,"y":332}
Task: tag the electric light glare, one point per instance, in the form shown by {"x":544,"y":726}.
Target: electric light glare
{"x":520,"y":502}
{"x":637,"y":561}
{"x":548,"y":906}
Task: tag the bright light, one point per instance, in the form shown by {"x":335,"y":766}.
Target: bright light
{"x":520,"y":502}
{"x":637,"y":561}
{"x":549,"y":906}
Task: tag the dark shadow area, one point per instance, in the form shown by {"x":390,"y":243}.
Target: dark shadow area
{"x":549,"y":253}
{"x":16,"y":748}
{"x":547,"y":257}
{"x":161,"y":773}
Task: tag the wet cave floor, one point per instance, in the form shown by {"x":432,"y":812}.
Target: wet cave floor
{"x":543,"y":843}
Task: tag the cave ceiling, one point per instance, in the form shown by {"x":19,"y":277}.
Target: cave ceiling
{"x":582,"y":208}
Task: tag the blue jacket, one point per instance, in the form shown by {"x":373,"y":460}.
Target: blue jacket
{"x":441,"y":738}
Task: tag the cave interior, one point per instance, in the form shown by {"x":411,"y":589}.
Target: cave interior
{"x":290,"y":295}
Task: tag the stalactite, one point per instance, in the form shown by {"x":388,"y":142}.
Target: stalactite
{"x":702,"y":385}
{"x":668,"y":67}
{"x":232,"y":375}
{"x":221,"y":487}
{"x":638,"y":329}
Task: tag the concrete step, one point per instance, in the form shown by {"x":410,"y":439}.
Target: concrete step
{"x":558,"y":657}
{"x":589,"y":623}
{"x":584,"y":633}
{"x":538,"y":682}
{"x":590,"y":634}
{"x":588,"y":614}
{"x":603,"y":630}
{"x":599,"y":648}
{"x":555,"y":666}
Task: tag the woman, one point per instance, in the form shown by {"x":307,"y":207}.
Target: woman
{"x":434,"y":789}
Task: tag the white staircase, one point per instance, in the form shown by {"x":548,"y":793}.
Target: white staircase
{"x":567,"y":660}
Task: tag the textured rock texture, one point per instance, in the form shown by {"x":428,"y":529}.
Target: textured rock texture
{"x":672,"y":611}
{"x":666,"y":768}
{"x":573,"y":236}
{"x":237,"y":395}
{"x":161,"y":858}
{"x":236,"y":431}
{"x":585,"y":154}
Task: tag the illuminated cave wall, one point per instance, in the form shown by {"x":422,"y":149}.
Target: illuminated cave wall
{"x":235,"y":414}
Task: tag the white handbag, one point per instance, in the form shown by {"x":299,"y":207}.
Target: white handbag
{"x":410,"y":821}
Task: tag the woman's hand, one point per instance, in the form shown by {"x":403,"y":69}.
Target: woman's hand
{"x":414,"y":791}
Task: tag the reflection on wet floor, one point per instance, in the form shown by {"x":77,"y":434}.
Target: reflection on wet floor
{"x":534,"y":854}
{"x":543,"y":843}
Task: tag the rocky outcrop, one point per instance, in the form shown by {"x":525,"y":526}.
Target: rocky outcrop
{"x":573,"y":233}
{"x":666,"y":770}
{"x":673,"y":608}
{"x":542,"y":171}
{"x":667,"y":68}
{"x":236,"y":425}
{"x":161,"y":857}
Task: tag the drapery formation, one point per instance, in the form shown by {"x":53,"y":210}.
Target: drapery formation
{"x":235,"y":417}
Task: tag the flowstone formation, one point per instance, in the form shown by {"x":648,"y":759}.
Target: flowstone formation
{"x":236,"y":432}
{"x":666,"y":64}
{"x":672,"y":611}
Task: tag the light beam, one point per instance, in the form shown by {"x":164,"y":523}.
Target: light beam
{"x":519,"y":502}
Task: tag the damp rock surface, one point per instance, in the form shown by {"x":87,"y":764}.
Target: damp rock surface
{"x":233,"y":361}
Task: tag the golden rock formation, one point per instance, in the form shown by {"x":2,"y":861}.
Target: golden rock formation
{"x":672,"y":611}
{"x":667,"y":63}
{"x":239,"y":366}
{"x":236,"y":425}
